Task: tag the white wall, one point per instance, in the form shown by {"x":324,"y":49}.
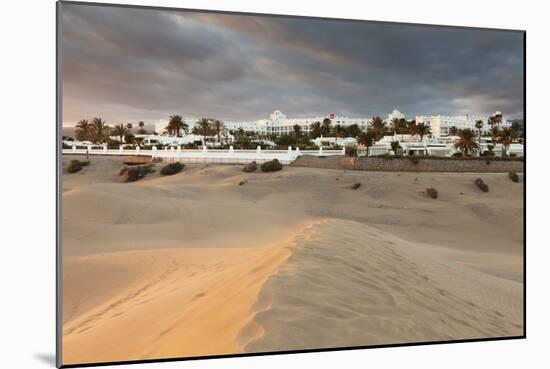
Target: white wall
{"x":27,"y":210}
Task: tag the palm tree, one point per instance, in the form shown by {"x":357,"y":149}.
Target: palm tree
{"x":395,"y":125}
{"x":100,"y":130}
{"x":315,"y":130}
{"x":120,"y":130}
{"x":479,"y":126}
{"x":466,"y":141}
{"x":297,"y":131}
{"x":176,"y":124}
{"x":129,"y":126}
{"x":365,"y":138}
{"x":203,"y":128}
{"x":411,"y":126}
{"x":353,"y":130}
{"x":453,"y":131}
{"x":83,"y":130}
{"x":506,"y":137}
{"x":422,"y":129}
{"x":218,"y":127}
{"x":338,"y":131}
{"x":141,"y":128}
{"x":497,"y":119}
{"x":325,"y":127}
{"x":378,"y":128}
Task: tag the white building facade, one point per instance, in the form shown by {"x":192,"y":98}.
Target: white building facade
{"x":279,"y":124}
{"x":440,"y":124}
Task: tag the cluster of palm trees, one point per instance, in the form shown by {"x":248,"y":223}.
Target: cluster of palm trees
{"x":203,"y":127}
{"x":467,"y":137}
{"x":96,"y":130}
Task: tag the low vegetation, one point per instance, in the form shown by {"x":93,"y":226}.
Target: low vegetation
{"x":513,"y":176}
{"x":134,"y":173}
{"x":481,"y":185}
{"x":76,"y":165}
{"x":272,"y":166}
{"x":355,"y":186}
{"x":172,"y":168}
{"x":242,"y":182}
{"x":250,"y":167}
{"x":431,"y":192}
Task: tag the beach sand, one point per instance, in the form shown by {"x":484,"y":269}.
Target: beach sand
{"x":194,"y":264}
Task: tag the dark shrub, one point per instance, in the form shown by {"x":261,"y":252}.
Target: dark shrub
{"x":432,"y":192}
{"x":272,"y":166}
{"x":487,"y":161}
{"x":76,"y":165}
{"x":250,"y":167}
{"x":242,"y":182}
{"x":513,"y":176}
{"x":132,"y":174}
{"x":457,"y":155}
{"x":172,"y":169}
{"x":351,"y":151}
{"x":414,"y":160}
{"x":481,"y":185}
{"x":356,"y":185}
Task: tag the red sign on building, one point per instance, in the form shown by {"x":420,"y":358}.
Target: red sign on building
{"x":332,"y":116}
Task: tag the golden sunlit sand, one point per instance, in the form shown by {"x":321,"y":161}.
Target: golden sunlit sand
{"x":194,"y":264}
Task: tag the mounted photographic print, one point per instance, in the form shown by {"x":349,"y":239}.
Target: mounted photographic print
{"x":236,"y":184}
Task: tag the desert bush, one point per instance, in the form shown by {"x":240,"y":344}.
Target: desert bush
{"x":432,"y":192}
{"x":172,"y":169}
{"x":272,"y":166}
{"x":457,"y":155}
{"x":132,"y":174}
{"x":250,"y":167}
{"x":481,"y":185}
{"x":76,"y":165}
{"x":513,"y":176}
{"x":242,"y":182}
{"x":355,"y":186}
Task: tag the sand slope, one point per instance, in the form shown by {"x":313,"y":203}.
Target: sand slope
{"x":347,"y":284}
{"x":195,"y":264}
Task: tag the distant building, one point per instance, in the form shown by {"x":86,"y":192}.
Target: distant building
{"x":279,"y":124}
{"x":440,"y":124}
{"x":396,"y":114}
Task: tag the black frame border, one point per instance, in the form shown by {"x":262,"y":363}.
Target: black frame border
{"x":58,"y":185}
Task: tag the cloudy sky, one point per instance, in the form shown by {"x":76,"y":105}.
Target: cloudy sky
{"x":127,"y":65}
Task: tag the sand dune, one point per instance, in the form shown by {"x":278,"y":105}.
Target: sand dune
{"x":195,"y":264}
{"x":347,"y":284}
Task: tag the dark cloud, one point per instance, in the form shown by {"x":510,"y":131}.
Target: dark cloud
{"x":129,"y":64}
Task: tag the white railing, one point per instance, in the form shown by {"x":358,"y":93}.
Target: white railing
{"x":205,"y":155}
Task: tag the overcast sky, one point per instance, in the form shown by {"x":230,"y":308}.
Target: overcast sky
{"x":127,"y":65}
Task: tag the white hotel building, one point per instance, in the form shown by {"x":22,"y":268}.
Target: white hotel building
{"x":440,"y":124}
{"x":279,"y":124}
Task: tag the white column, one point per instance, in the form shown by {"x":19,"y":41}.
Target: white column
{"x":138,"y":150}
{"x":154,"y":150}
{"x":290,"y":149}
{"x":344,"y":150}
{"x":74,"y":148}
{"x":259,"y":150}
{"x":120,"y":149}
{"x":320,"y":150}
